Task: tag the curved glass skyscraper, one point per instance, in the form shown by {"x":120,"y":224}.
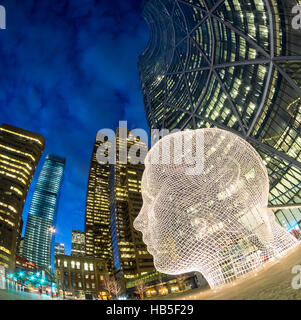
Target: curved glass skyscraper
{"x":232,"y":64}
{"x":38,"y":242}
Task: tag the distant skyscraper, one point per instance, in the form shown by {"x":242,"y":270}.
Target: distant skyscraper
{"x":232,"y":65}
{"x":97,"y":221}
{"x":59,"y":248}
{"x":20,"y":249}
{"x":20,"y":152}
{"x":38,"y":243}
{"x":78,"y":244}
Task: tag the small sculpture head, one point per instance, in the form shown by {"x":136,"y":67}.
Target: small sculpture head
{"x":200,"y":220}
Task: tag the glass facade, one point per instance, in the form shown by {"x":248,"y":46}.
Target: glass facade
{"x":113,"y":202}
{"x":20,"y":152}
{"x":97,"y":220}
{"x":129,"y":251}
{"x":231,"y":64}
{"x":38,"y":240}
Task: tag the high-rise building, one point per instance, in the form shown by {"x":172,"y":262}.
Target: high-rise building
{"x":97,"y":219}
{"x":59,"y":248}
{"x":232,"y":65}
{"x":113,"y":201}
{"x":130,"y":254}
{"x":38,"y":243}
{"x":78,"y":243}
{"x":20,"y":152}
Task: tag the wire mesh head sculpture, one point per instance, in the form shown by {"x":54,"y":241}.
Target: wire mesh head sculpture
{"x":213,"y":220}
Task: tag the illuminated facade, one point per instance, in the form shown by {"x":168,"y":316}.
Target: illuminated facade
{"x":59,"y":248}
{"x":231,"y":65}
{"x":38,"y":246}
{"x":113,"y":202}
{"x":129,"y":251}
{"x":20,"y":152}
{"x":77,"y":276}
{"x":97,"y":220}
{"x":78,"y":243}
{"x":159,"y":284}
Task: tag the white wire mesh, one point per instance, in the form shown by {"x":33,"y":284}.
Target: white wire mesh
{"x":215,"y":222}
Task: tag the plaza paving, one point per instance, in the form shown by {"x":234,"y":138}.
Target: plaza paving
{"x":274,"y":282}
{"x":17,"y":295}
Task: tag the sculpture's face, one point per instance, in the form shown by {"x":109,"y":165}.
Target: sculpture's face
{"x":186,"y":219}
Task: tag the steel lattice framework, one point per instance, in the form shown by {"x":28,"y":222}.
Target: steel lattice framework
{"x":215,"y":221}
{"x":234,"y":65}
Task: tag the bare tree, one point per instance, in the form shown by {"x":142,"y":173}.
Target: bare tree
{"x":116,"y":287}
{"x":112,"y":286}
{"x":108,"y":284}
{"x":140,"y":288}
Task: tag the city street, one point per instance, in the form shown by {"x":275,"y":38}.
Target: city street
{"x":17,"y":295}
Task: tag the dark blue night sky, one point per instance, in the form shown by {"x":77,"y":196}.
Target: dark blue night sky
{"x":68,"y":69}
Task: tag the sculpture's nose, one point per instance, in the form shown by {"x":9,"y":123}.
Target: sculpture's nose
{"x":140,"y":223}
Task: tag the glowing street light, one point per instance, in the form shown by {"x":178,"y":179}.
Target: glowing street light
{"x":52,"y":230}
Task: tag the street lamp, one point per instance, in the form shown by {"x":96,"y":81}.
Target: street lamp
{"x":52,"y":230}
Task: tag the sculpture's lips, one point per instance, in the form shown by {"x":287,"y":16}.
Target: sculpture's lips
{"x":150,"y":249}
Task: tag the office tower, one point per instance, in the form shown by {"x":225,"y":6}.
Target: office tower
{"x":232,"y":65}
{"x":129,"y":251}
{"x":20,"y":152}
{"x":113,"y":202}
{"x":78,"y":243}
{"x":59,"y":248}
{"x":38,"y":242}
{"x":97,"y":219}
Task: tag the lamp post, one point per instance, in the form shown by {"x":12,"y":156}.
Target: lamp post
{"x":52,"y":230}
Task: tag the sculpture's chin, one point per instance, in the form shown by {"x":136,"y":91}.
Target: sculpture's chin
{"x":161,"y":265}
